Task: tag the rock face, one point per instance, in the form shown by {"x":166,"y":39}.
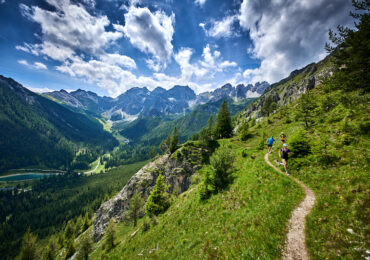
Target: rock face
{"x":177,"y":170}
{"x":291,"y":88}
{"x":238,"y":92}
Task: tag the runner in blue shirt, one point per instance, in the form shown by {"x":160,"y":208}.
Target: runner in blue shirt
{"x":270,"y":141}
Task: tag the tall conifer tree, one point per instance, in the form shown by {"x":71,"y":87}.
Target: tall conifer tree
{"x":223,"y":127}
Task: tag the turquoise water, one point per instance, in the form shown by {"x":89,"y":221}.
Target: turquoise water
{"x":25,"y":176}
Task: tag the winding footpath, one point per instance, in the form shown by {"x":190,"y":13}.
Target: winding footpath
{"x":295,"y":243}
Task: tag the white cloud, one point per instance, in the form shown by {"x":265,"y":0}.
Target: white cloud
{"x":23,"y":62}
{"x":39,"y":90}
{"x":67,"y":29}
{"x":227,"y":64}
{"x":115,"y":79}
{"x":206,"y":68}
{"x":35,"y":65}
{"x":223,"y":28}
{"x":289,"y":34}
{"x":118,"y":59}
{"x":2,"y":2}
{"x":200,"y":2}
{"x":39,"y":65}
{"x":150,"y":32}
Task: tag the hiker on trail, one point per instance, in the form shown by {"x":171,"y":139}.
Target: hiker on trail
{"x":283,"y":138}
{"x":284,"y":154}
{"x":270,"y":141}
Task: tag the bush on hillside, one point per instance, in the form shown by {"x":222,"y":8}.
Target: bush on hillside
{"x":222,"y":163}
{"x":205,"y":187}
{"x":244,"y":133}
{"x":299,"y":144}
{"x":321,"y":152}
{"x":157,"y":202}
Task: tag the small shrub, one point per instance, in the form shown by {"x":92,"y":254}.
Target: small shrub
{"x":204,"y":190}
{"x":262,"y":143}
{"x":299,"y":144}
{"x":244,"y":133}
{"x":222,"y":165}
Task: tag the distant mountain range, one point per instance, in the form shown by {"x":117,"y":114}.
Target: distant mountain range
{"x":35,"y":130}
{"x":141,"y":101}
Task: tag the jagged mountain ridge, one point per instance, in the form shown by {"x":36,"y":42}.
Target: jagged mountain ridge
{"x":141,"y":101}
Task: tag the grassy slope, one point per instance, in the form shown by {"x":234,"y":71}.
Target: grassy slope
{"x":249,"y":219}
{"x":341,"y":188}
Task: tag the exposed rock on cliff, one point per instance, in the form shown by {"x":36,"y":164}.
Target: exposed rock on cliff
{"x":291,"y":88}
{"x":177,"y":170}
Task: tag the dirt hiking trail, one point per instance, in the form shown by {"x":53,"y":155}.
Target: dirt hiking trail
{"x":295,"y":243}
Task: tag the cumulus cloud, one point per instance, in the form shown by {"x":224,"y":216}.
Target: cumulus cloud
{"x":118,"y":59}
{"x":222,"y":28}
{"x":71,"y":27}
{"x":288,"y":34}
{"x":150,"y":32}
{"x":205,"y":68}
{"x":36,"y":65}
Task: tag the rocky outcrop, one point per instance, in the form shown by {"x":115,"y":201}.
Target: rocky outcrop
{"x":177,"y":170}
{"x":292,"y":87}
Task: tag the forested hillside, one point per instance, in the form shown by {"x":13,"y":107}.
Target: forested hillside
{"x":31,"y":124}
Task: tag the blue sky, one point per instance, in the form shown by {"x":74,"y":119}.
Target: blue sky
{"x":110,"y":46}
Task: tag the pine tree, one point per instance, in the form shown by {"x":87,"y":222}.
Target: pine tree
{"x":29,"y":246}
{"x":69,"y":232}
{"x":306,"y":110}
{"x":351,"y":48}
{"x":210,"y":122}
{"x":110,"y":235}
{"x":136,"y":207}
{"x":205,"y":137}
{"x":174,"y":140}
{"x":157,"y":202}
{"x":153,"y":152}
{"x":86,"y":222}
{"x":165,"y":144}
{"x":85,"y":248}
{"x":51,"y":249}
{"x":70,"y":246}
{"x":223,"y":127}
{"x":268,"y":106}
